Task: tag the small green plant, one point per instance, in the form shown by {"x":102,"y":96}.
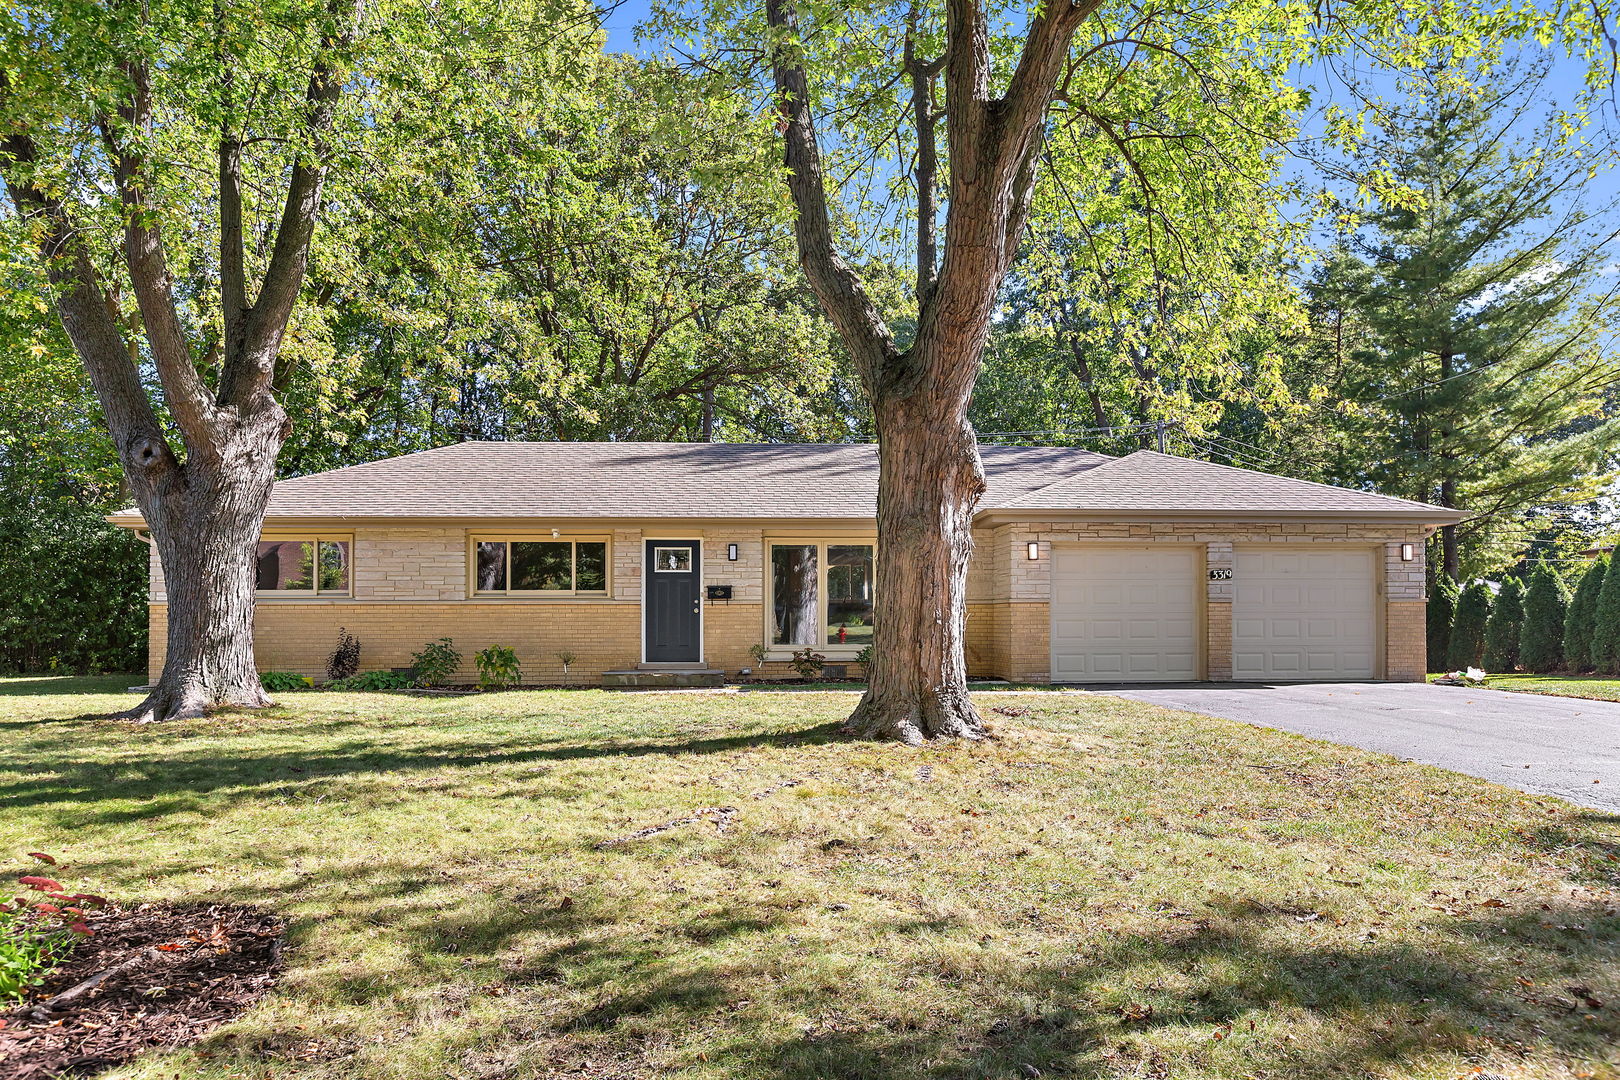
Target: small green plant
{"x":808,"y":663}
{"x":278,"y":681}
{"x":37,"y":934}
{"x":498,"y":668}
{"x":437,"y":661}
{"x":864,"y":657}
{"x":567,"y":658}
{"x":373,"y":680}
{"x":345,"y":659}
{"x":757,"y":651}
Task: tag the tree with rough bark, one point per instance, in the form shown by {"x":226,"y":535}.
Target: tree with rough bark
{"x":945,"y":120}
{"x":169,"y":161}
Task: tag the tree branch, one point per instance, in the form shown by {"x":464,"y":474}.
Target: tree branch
{"x":249,"y":370}
{"x":831,"y":278}
{"x":189,"y":400}
{"x":927,"y":172}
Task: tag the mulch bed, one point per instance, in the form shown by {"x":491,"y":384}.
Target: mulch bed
{"x":209,"y":963}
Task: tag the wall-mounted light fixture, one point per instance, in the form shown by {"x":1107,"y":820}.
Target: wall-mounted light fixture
{"x":556,"y":533}
{"x":1033,"y":549}
{"x":731,"y":552}
{"x":1408,"y":553}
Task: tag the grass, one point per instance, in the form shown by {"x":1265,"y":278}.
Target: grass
{"x":1108,"y":890}
{"x":1599,"y":687}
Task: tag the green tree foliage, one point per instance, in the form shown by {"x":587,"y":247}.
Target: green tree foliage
{"x":72,"y":587}
{"x":1467,"y":322}
{"x":1442,"y":611}
{"x":1467,"y":646}
{"x":1546,"y":607}
{"x":1503,"y":630}
{"x":1605,"y":645}
{"x":1582,"y":617}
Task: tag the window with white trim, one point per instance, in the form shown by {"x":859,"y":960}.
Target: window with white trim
{"x":303,"y":566}
{"x":821,"y":595}
{"x":508,"y":566}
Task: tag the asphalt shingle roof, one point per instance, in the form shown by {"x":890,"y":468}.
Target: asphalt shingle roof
{"x":760,"y":480}
{"x":1162,"y":482}
{"x":631,"y":480}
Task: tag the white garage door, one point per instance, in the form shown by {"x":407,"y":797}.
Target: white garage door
{"x":1125,"y":614}
{"x":1303,"y":614}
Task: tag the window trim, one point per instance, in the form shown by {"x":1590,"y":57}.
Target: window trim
{"x":509,"y":593}
{"x":839,"y":653}
{"x":314,"y":592}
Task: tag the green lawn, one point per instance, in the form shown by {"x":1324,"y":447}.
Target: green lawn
{"x":1108,"y":890}
{"x":1600,"y":687}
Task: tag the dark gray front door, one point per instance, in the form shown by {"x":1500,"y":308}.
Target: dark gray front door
{"x":673,"y":597}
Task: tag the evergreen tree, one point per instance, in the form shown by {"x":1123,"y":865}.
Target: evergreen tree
{"x":1468,"y":629}
{"x":1582,"y":612}
{"x":1546,"y":605}
{"x":1503,"y":630}
{"x":1606,"y":624}
{"x":1468,"y":328}
{"x":1442,"y":610}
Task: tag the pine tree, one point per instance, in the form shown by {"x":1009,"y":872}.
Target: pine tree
{"x":1546,"y":605}
{"x":1606,"y":624}
{"x":1504,"y":628}
{"x":1465,"y":308}
{"x":1442,"y":610}
{"x":1582,"y":611}
{"x":1468,"y":629}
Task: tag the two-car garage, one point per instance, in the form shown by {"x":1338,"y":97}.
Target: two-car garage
{"x":1137,"y":612}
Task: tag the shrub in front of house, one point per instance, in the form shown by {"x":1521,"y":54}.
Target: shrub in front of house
{"x":1546,"y":608}
{"x":498,"y":668}
{"x":1503,"y":630}
{"x":1581,"y":616}
{"x":437,"y":661}
{"x":281,"y":681}
{"x":1467,"y":646}
{"x":808,"y":663}
{"x":1442,"y":609}
{"x":373,"y":680}
{"x":36,"y":934}
{"x":344,"y":660}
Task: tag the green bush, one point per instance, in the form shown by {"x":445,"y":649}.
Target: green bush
{"x":1546,"y":606}
{"x":1606,"y":624}
{"x":36,"y":935}
{"x":1467,"y":646}
{"x":1442,"y":610}
{"x":372,"y":680}
{"x":279,"y":681}
{"x":864,"y":657}
{"x":437,"y":661}
{"x":498,"y":668}
{"x":1582,"y":613}
{"x":808,"y":663}
{"x":1504,"y":628}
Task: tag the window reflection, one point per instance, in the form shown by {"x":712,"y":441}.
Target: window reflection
{"x":796,"y":610}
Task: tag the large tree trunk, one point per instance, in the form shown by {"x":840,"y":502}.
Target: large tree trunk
{"x":205,"y":522}
{"x":927,"y":489}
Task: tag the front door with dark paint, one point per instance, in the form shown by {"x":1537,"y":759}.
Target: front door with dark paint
{"x":673,"y":594}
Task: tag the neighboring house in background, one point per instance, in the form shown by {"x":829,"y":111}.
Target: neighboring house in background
{"x":676,"y":558}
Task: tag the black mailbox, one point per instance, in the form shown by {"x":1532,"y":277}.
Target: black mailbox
{"x":719,"y":592}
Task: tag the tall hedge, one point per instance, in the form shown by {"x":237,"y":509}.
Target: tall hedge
{"x":1582,"y":612}
{"x":1546,"y":606}
{"x":1606,"y":625}
{"x":1442,"y":609}
{"x":1503,"y":630}
{"x":1467,"y":647}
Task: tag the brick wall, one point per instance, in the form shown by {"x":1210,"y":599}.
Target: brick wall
{"x":410,"y":587}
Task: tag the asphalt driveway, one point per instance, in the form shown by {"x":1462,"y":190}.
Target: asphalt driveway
{"x":1545,"y":745}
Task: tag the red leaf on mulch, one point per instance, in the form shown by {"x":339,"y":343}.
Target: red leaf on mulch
{"x":173,"y":999}
{"x":42,"y":857}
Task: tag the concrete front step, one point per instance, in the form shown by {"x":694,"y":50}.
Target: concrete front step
{"x":683,"y":677}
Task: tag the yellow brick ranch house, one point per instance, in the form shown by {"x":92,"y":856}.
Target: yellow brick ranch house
{"x":671,"y":561}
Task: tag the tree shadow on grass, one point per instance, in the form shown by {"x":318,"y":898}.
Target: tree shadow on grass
{"x":165,"y":782}
{"x":1595,"y":859}
{"x":67,"y":685}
